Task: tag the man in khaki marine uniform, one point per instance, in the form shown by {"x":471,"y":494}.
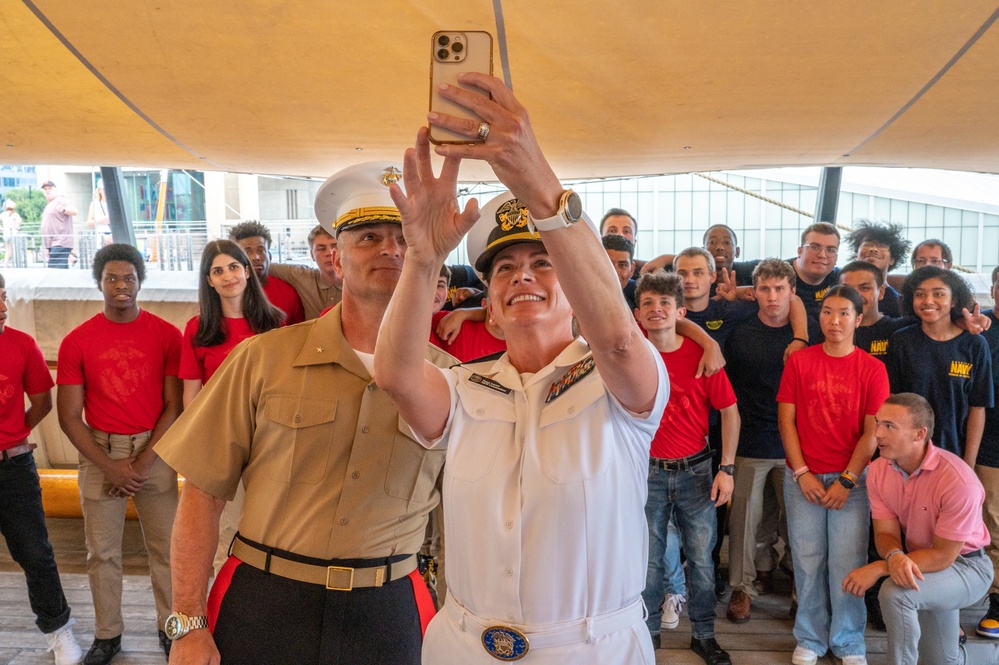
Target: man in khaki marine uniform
{"x":318,"y":287}
{"x":337,"y":493}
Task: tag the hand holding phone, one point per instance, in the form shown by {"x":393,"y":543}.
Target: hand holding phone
{"x":456,"y":52}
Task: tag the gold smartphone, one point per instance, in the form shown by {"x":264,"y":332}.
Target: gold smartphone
{"x":455,"y":52}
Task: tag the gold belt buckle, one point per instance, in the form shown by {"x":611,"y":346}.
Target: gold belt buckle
{"x":329,"y":572}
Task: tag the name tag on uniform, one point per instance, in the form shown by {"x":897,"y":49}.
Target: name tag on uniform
{"x":575,"y":373}
{"x":486,"y":382}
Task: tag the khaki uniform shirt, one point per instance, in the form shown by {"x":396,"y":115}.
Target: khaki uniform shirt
{"x":330,"y":469}
{"x":315,"y":292}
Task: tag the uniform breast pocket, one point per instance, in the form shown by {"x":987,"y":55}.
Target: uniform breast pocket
{"x":412,"y":470}
{"x":298,"y":439}
{"x":483,"y":423}
{"x":574,"y":445}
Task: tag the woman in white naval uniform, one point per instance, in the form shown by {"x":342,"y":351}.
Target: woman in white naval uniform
{"x":545,"y":480}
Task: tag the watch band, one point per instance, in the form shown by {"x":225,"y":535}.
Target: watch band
{"x":727,"y":468}
{"x":570,"y":211}
{"x":179,"y":624}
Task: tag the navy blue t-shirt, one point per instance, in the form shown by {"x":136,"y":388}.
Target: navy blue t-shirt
{"x":988,"y":454}
{"x":953,"y":376}
{"x":812,"y":294}
{"x":874,"y":338}
{"x":754,"y":356}
{"x":891,"y":302}
{"x":721,"y":317}
{"x":744,"y":271}
{"x":629,"y":294}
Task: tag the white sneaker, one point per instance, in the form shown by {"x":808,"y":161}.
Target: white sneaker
{"x":854,"y":660}
{"x":803,"y":656}
{"x":671,"y":611}
{"x":63,"y":644}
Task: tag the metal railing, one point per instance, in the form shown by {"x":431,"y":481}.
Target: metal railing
{"x":173,"y":250}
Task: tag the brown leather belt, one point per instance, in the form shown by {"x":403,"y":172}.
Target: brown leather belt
{"x":334,"y":578}
{"x":17,"y":450}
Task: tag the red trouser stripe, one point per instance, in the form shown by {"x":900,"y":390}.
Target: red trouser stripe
{"x":217,"y":593}
{"x":424,"y":602}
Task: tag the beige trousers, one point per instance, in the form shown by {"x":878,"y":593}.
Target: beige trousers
{"x":753,"y":526}
{"x":104,"y":523}
{"x":990,"y":513}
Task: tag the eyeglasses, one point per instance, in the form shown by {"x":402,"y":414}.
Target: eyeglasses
{"x":934,"y":261}
{"x":876,"y":251}
{"x":816,"y":248}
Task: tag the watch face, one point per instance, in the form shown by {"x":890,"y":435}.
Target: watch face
{"x":173,"y":627}
{"x":574,"y":206}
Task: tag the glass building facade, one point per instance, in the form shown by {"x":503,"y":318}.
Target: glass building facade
{"x":768,"y":210}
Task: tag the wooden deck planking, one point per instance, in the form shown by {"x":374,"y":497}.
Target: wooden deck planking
{"x":766,"y":639}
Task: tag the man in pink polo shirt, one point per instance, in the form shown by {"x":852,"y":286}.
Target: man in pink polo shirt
{"x":935,"y":499}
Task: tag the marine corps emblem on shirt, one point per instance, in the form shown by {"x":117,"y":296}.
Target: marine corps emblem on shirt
{"x":504,"y":643}
{"x":575,"y":373}
{"x":512,"y":214}
{"x":714,"y":325}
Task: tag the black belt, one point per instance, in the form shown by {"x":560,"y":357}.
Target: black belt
{"x":679,"y":464}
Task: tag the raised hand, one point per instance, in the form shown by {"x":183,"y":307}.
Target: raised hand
{"x":432,"y":221}
{"x":510,"y":147}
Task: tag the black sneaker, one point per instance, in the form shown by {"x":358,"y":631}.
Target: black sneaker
{"x":165,"y":643}
{"x":709,"y":650}
{"x":874,"y":616}
{"x":988,"y":627}
{"x":102,"y":651}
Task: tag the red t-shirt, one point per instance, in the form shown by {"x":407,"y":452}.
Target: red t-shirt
{"x":122,"y":367}
{"x":474,"y":341}
{"x":200,"y":362}
{"x":832,"y":396}
{"x":684,"y":426}
{"x":22,"y":372}
{"x":284,"y":296}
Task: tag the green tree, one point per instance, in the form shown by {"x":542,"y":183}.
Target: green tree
{"x":30,"y":204}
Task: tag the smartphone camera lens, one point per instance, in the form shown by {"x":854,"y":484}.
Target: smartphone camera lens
{"x":443,"y":54}
{"x":443,"y":40}
{"x":457,"y":47}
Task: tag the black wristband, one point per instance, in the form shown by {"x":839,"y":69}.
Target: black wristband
{"x":798,"y":339}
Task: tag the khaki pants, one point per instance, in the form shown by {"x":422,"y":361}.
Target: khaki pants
{"x":990,"y":514}
{"x":104,"y":522}
{"x":749,"y":545}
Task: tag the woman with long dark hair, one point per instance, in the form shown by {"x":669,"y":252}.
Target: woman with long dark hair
{"x":231,"y":307}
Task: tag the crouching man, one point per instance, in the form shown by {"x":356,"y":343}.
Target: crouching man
{"x":938,"y":566}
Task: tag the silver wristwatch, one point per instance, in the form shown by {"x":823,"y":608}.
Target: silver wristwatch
{"x":570,"y":211}
{"x":179,"y":624}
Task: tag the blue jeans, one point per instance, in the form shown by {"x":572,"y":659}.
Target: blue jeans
{"x":59,"y":257}
{"x":22,"y":522}
{"x":827,"y":545}
{"x":923,"y":625}
{"x":685,"y":495}
{"x":674,"y":579}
